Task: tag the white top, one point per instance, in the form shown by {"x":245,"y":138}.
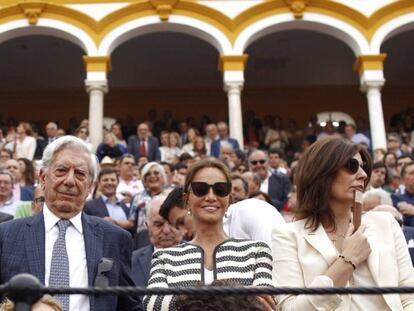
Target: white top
{"x":10,"y":206}
{"x":252,"y":219}
{"x":75,"y":246}
{"x":362,"y":277}
{"x":208,"y":276}
{"x":133,"y":186}
{"x":26,"y":148}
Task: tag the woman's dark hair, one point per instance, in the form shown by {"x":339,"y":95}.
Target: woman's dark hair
{"x":174,"y":199}
{"x":198,"y":166}
{"x":219,"y":303}
{"x":267,"y":197}
{"x":29,"y":173}
{"x":315,"y":173}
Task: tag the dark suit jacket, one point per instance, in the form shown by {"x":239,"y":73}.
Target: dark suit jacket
{"x":279,"y":188}
{"x":409,"y":235}
{"x":153,"y":153}
{"x":26,"y":193}
{"x":215,"y":146}
{"x":22,"y":250}
{"x":141,"y":265}
{"x":5,"y":217}
{"x":97,"y":207}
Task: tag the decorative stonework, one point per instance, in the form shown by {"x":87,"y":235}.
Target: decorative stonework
{"x":32,"y":11}
{"x":232,"y":62}
{"x":297,"y":7}
{"x":369,"y":62}
{"x":164,"y":8}
{"x":97,"y":63}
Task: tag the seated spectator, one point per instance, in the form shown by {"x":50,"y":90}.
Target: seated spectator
{"x":155,"y":181}
{"x":239,"y":188}
{"x":394,"y":144}
{"x":378,"y":175}
{"x":164,"y":148}
{"x":192,"y":133}
{"x":5,"y":155}
{"x":161,"y":235}
{"x":25,"y":144}
{"x":81,"y":132}
{"x":276,"y":136}
{"x":27,"y":172}
{"x":405,"y":201}
{"x":199,"y":148}
{"x":174,"y":150}
{"x":223,"y":132}
{"x":357,"y":138}
{"x":207,"y":197}
{"x":46,"y":303}
{"x":27,"y":208}
{"x":253,"y":181}
{"x":375,"y":197}
{"x":219,"y":303}
{"x":275,"y":161}
{"x":107,"y":206}
{"x":390,"y":160}
{"x":116,"y":129}
{"x":174,"y":211}
{"x":8,"y":202}
{"x":179,"y":172}
{"x":260,"y":195}
{"x":129,"y":185}
{"x":20,"y":193}
{"x":110,"y":148}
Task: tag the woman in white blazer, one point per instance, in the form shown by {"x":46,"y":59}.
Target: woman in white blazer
{"x":321,"y":249}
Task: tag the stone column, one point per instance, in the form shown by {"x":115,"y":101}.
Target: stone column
{"x":96,"y":86}
{"x":232,"y":67}
{"x":233,"y":90}
{"x":370,"y":68}
{"x":96,"y":91}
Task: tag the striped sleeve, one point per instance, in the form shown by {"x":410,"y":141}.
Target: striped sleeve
{"x":263,"y":266}
{"x":158,"y":278}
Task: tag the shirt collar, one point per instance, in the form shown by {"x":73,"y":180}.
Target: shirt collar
{"x":107,"y":200}
{"x":51,"y":219}
{"x":9,"y":201}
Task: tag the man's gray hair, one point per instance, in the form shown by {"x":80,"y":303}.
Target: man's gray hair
{"x":384,"y":196}
{"x":69,"y":142}
{"x":8,"y":173}
{"x":155,"y":201}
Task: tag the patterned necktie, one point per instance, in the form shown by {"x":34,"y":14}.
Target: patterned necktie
{"x":59,"y":267}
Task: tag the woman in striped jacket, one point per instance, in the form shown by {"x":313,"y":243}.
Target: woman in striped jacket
{"x":211,"y":255}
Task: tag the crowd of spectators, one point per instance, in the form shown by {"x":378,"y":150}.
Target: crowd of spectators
{"x":142,"y":166}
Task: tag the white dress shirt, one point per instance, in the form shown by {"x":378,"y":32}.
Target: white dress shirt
{"x":75,"y":247}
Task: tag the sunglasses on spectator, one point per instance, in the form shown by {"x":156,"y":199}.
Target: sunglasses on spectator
{"x":201,"y":189}
{"x":254,"y":162}
{"x":353,"y":166}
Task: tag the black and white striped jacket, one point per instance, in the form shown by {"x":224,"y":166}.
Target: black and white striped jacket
{"x":244,"y":261}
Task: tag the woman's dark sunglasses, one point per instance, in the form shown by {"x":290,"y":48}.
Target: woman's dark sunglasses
{"x":353,"y":166}
{"x":201,"y":189}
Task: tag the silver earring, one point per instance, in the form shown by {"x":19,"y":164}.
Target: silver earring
{"x":189,"y":212}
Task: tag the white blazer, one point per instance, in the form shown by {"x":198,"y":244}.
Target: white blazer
{"x":301,"y":257}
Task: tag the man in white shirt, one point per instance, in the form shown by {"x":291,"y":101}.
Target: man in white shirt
{"x":62,"y":246}
{"x":8,"y":204}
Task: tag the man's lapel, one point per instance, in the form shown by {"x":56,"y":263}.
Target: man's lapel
{"x":93,"y":236}
{"x":102,"y":207}
{"x":34,"y":240}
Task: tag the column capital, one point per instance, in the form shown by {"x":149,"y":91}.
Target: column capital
{"x":96,"y":86}
{"x":97,"y":63}
{"x":232,"y":62}
{"x":371,"y":71}
{"x":233,"y":86}
{"x":367,"y":85}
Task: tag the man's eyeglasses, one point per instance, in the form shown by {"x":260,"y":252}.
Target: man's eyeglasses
{"x":201,"y":189}
{"x":39,"y":200}
{"x":254,"y":162}
{"x":353,"y":166}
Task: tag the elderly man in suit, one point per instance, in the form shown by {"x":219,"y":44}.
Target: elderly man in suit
{"x":144,"y":145}
{"x":161,"y":235}
{"x":223,"y":132}
{"x":62,"y":246}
